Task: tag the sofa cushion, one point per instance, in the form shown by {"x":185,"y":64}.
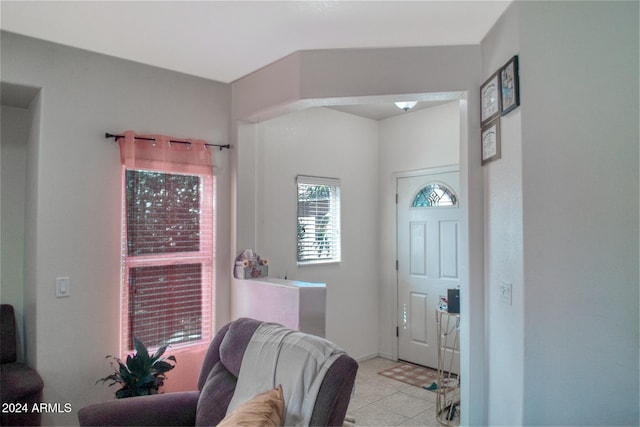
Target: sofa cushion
{"x":215,"y":396}
{"x":235,"y":343}
{"x":265,"y":409}
{"x":331,"y":406}
{"x":18,"y":381}
{"x":8,"y":349}
{"x":212,"y":357}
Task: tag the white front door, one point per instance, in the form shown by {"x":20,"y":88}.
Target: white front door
{"x":428,"y":237}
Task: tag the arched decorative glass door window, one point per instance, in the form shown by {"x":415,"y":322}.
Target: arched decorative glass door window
{"x":434,"y":195}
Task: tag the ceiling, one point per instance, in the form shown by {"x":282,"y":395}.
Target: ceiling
{"x":226,"y":40}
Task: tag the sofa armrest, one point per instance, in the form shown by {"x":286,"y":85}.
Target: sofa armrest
{"x":335,"y":393}
{"x":169,"y":409}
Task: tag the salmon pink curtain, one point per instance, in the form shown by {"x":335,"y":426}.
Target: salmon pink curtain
{"x":157,"y":152}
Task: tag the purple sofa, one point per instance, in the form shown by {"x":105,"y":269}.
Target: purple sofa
{"x":20,"y":385}
{"x":216,"y":385}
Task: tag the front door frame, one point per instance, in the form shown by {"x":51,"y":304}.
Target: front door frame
{"x":463,"y":243}
{"x":473,"y":391}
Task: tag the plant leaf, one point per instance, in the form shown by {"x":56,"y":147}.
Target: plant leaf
{"x":123,"y":392}
{"x":159,"y":353}
{"x":147,"y":380}
{"x":125,"y":375}
{"x":161,"y":366}
{"x":112,"y":377}
{"x":136,"y":366}
{"x":141,"y":349}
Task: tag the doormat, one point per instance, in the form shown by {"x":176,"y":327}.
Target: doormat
{"x":418,"y":376}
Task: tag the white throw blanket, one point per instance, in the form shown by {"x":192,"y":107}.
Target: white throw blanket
{"x":277,"y":355}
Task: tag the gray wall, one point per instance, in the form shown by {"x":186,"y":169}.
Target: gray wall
{"x":580,"y":211}
{"x":562,"y":218}
{"x":72,"y":220}
{"x":503,"y":243}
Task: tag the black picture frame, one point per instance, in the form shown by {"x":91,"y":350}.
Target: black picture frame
{"x":490,"y":99}
{"x":509,"y":86}
{"x":490,"y":140}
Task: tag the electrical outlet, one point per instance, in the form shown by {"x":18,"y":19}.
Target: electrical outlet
{"x":504,"y":293}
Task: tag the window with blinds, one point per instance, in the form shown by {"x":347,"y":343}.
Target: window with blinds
{"x":318,"y":220}
{"x":168,"y":254}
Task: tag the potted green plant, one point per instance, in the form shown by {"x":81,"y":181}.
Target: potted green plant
{"x":142,"y":374}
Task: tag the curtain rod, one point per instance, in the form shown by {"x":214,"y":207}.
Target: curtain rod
{"x":108,"y":135}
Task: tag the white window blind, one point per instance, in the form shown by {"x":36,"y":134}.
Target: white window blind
{"x":318,"y":220}
{"x":167,"y":254}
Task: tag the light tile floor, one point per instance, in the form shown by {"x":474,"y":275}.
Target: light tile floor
{"x":381,"y":401}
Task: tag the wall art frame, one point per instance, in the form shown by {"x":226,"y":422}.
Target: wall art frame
{"x":490,"y":139}
{"x":490,"y":99}
{"x":509,"y":86}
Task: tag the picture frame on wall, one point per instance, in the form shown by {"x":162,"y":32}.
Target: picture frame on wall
{"x":509,"y":86}
{"x":491,"y":141}
{"x":490,"y":99}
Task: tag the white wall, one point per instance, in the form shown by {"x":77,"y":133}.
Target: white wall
{"x":15,"y":132}
{"x":571,"y":255}
{"x":416,"y":140}
{"x":365,"y":73}
{"x":580,"y":72}
{"x":503,"y":244}
{"x":365,"y":155}
{"x":327,"y":143}
{"x":73,"y":198}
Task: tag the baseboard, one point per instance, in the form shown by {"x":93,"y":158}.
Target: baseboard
{"x":387,"y":356}
{"x":370,"y":356}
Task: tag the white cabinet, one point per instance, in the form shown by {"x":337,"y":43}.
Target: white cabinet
{"x":296,"y":305}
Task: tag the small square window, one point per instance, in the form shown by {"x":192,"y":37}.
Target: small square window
{"x":318,"y":220}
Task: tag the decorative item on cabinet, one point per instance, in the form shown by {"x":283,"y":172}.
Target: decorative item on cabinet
{"x":249,"y":265}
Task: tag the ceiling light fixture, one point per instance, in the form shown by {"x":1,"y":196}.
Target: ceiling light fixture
{"x":406,"y":106}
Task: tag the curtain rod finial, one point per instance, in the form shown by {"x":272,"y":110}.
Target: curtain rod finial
{"x":108,"y":135}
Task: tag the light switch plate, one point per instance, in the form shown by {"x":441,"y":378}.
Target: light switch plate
{"x":62,"y":287}
{"x":504,"y":293}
